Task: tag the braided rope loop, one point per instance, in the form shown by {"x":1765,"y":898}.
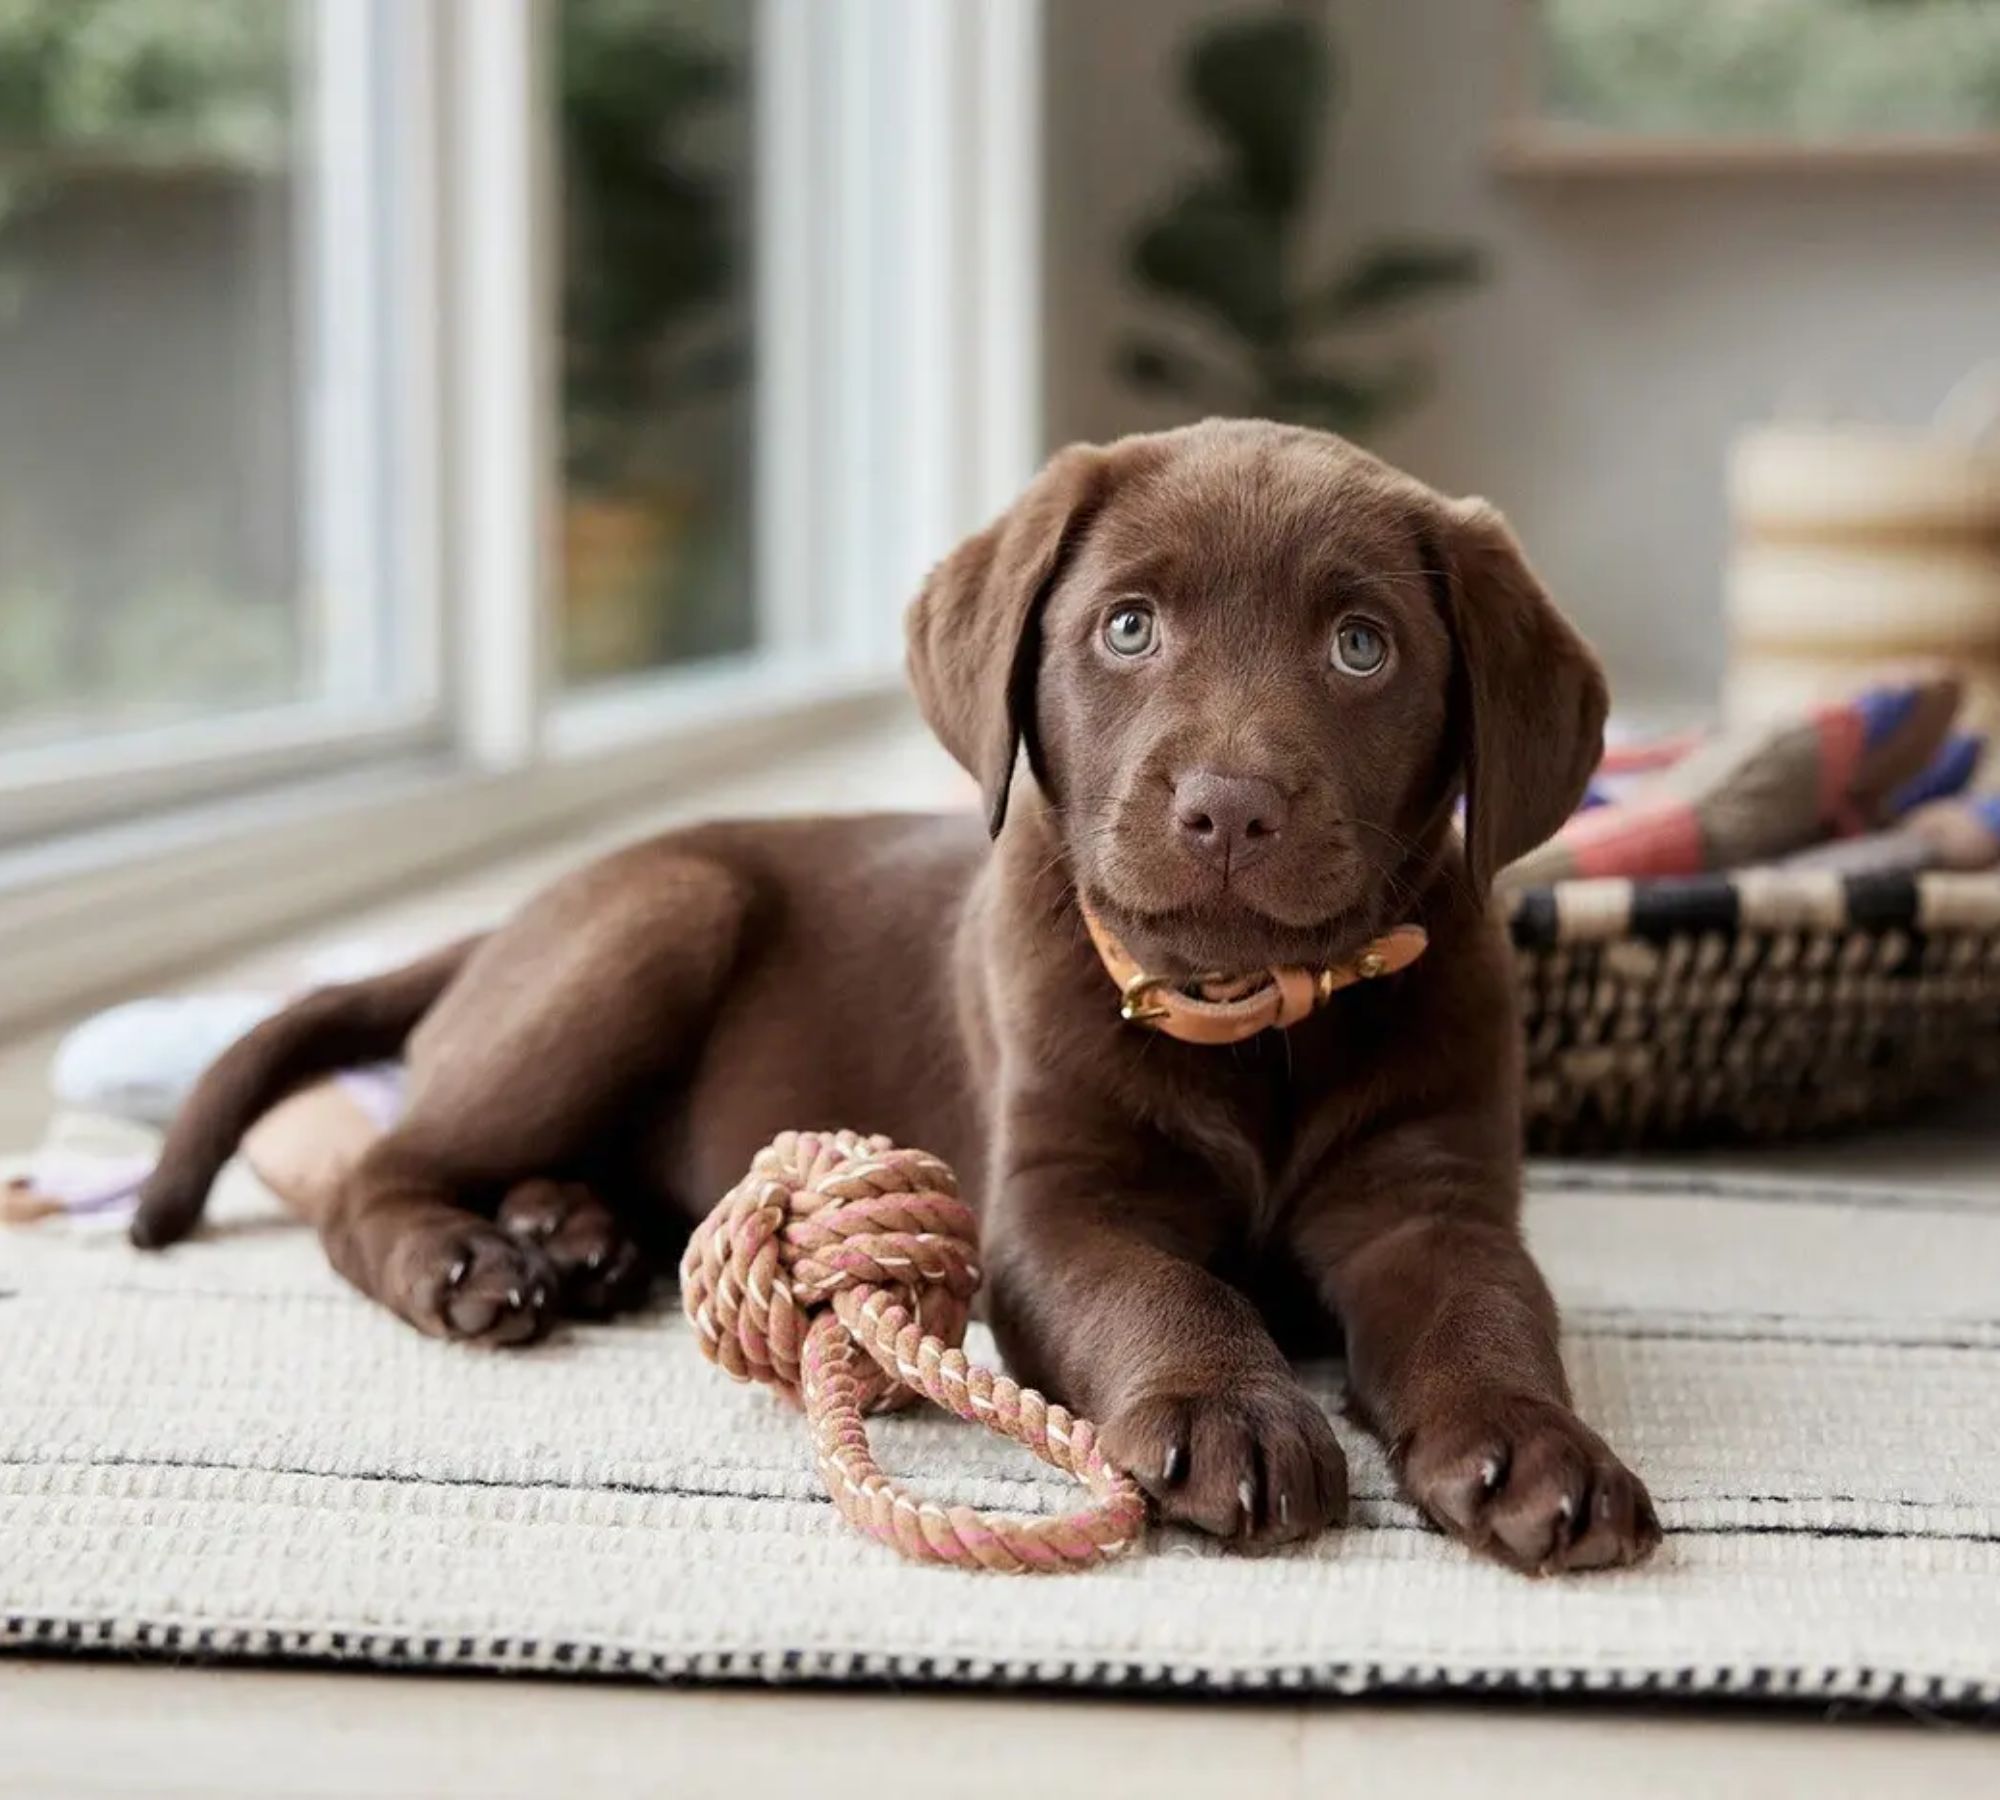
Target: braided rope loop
{"x":840,"y":1272}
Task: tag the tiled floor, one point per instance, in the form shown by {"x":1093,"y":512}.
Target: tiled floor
{"x":83,"y":1729}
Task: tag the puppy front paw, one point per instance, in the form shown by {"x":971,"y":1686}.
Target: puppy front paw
{"x":1527,"y":1482}
{"x":1253,"y":1459}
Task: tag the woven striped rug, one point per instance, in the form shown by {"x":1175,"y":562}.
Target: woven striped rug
{"x":224,"y":1453}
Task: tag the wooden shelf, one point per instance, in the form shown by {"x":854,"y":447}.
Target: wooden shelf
{"x":1553,"y":152}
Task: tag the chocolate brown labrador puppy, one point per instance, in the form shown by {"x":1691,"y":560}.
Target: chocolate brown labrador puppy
{"x":1254,"y":671}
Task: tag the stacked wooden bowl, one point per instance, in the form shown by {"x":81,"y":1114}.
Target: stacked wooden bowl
{"x":1858,"y":549}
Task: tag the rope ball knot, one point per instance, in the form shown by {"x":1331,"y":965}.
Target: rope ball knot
{"x":841,"y":1271}
{"x":830,"y":1220}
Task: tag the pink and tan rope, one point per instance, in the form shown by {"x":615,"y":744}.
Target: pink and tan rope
{"x":840,"y":1271}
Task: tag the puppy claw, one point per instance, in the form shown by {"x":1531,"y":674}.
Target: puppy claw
{"x":1526,"y":1482}
{"x":459,"y":1278}
{"x":1207,"y":1458}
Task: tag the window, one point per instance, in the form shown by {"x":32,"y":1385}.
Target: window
{"x":422,"y":412}
{"x":150,"y":556}
{"x":198,"y":522}
{"x":657,"y":101}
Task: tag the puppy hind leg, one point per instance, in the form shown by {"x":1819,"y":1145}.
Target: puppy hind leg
{"x":469,"y":1219}
{"x":402,"y":1237}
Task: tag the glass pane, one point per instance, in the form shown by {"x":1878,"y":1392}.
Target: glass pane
{"x":656,"y":134}
{"x":150,"y":444}
{"x":1802,"y":70}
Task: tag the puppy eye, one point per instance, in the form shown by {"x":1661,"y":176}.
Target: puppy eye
{"x":1359,"y":648}
{"x":1131,"y":631}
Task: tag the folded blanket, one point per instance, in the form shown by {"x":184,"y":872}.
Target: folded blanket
{"x":1762,"y":793}
{"x":1961,"y":835}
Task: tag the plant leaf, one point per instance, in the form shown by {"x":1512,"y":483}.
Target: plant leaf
{"x":1345,"y":400}
{"x":1263,"y":84}
{"x":1214,"y":250}
{"x":1156,"y":368}
{"x":1394,"y":275}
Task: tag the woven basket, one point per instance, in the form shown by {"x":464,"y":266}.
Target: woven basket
{"x":1753,"y":1006}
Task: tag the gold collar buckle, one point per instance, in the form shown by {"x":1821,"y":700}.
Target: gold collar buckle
{"x":1137,"y":1002}
{"x":1137,"y":1005}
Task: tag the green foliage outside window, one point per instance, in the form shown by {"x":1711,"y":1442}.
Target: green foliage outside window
{"x":1786,"y":68}
{"x":166,"y":81}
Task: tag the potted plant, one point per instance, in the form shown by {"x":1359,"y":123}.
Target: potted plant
{"x":1228,"y":248}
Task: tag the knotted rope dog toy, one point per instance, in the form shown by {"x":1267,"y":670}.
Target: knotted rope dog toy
{"x":834,"y":1245}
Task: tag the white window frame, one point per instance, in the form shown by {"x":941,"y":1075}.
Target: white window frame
{"x":897,"y":398}
{"x":366,"y":227}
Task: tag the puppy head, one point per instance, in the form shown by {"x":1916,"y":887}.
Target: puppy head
{"x":1254,"y":669}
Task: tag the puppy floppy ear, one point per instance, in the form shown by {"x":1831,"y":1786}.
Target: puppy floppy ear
{"x":1529,"y":694}
{"x":973,"y":630}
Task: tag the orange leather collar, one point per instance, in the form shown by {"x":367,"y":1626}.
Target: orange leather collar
{"x":1227,"y":1009}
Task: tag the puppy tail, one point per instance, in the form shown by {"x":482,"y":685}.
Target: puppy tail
{"x":329,"y":1029}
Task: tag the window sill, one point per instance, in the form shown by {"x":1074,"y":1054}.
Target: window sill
{"x":84,"y":916}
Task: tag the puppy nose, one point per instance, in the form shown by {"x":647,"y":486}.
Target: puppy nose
{"x":1227,"y":820}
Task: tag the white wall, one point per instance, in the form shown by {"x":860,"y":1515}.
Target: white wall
{"x":1631,"y":326}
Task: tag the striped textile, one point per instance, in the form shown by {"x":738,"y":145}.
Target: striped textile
{"x":223,"y":1454}
{"x":1749,"y":795}
{"x":1756,"y":900}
